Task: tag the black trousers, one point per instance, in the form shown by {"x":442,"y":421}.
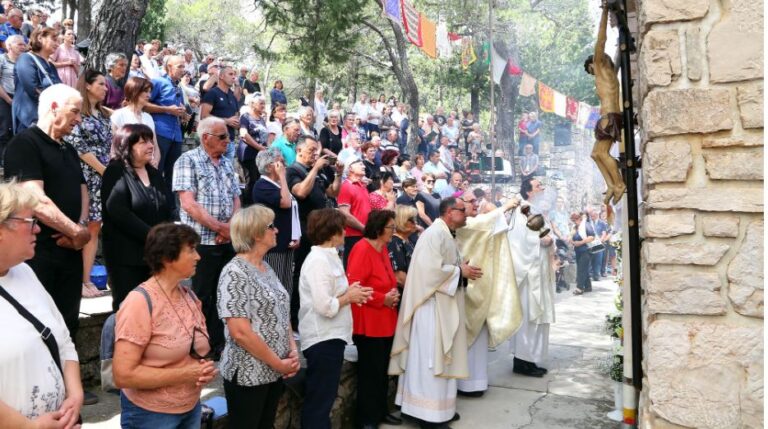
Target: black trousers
{"x":204,"y":284}
{"x":298,"y":260}
{"x":123,"y":279}
{"x":349,"y":243}
{"x":6,"y":126}
{"x":252,"y":172}
{"x":372,"y":378}
{"x":583,"y":281}
{"x":252,"y":407}
{"x":324,"y":362}
{"x":60,"y":271}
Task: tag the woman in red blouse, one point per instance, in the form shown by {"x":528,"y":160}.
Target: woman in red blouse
{"x":382,"y":192}
{"x":374,"y":322}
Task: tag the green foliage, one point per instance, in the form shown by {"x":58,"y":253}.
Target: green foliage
{"x":47,"y":5}
{"x":153,"y":25}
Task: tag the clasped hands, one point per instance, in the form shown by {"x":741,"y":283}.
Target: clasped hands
{"x":81,"y":237}
{"x":470,"y":271}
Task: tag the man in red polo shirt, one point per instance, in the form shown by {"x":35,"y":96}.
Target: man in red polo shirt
{"x":354,"y":204}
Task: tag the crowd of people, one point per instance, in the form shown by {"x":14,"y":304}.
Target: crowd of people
{"x":335,"y":235}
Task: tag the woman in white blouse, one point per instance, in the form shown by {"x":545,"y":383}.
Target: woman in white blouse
{"x":325,"y":319}
{"x":137,"y":91}
{"x":35,"y":389}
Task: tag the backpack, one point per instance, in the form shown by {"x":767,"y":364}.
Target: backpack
{"x":107,"y":349}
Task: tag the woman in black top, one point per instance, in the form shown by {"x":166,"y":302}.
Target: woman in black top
{"x":401,"y":246}
{"x":134,"y":199}
{"x":330,"y":135}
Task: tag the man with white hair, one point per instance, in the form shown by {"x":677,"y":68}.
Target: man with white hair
{"x":190,"y":65}
{"x":149,"y":65}
{"x":209,"y":193}
{"x":44,"y":163}
{"x":16,"y":47}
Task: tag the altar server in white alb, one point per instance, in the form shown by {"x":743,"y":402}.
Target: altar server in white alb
{"x":429,"y":351}
{"x":492,"y":302}
{"x":536,"y":285}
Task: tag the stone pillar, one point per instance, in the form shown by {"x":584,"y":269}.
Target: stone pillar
{"x":700,"y":84}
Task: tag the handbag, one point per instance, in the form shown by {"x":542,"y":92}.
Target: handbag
{"x":595,"y":246}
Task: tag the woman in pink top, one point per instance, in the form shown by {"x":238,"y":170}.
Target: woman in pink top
{"x":67,"y":60}
{"x":161,"y":359}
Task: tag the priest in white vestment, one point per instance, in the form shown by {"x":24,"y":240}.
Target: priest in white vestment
{"x":535,"y":283}
{"x":492,"y":302}
{"x":429,"y":351}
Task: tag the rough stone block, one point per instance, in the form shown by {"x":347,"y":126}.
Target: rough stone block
{"x":720,"y":225}
{"x":752,"y":139}
{"x":652,"y":11}
{"x":678,"y":292}
{"x":667,"y":161}
{"x":694,"y":54}
{"x":708,"y":199}
{"x":750,"y":98}
{"x":698,"y":253}
{"x":705,"y":375}
{"x":660,"y":58}
{"x":684,"y":111}
{"x":745,"y":273}
{"x":669,"y":225}
{"x":732,"y":165}
{"x":735,"y":44}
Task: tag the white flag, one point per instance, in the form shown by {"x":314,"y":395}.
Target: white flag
{"x":560,"y":104}
{"x":498,"y":65}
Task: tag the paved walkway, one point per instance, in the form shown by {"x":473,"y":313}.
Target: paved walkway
{"x":574,"y":395}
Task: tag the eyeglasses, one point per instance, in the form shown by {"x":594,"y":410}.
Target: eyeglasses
{"x":463,"y":209}
{"x":392,"y":227}
{"x":413,"y":219}
{"x":193,"y":353}
{"x":430,"y":181}
{"x":271,"y":226}
{"x":224,"y":136}
{"x":30,"y":220}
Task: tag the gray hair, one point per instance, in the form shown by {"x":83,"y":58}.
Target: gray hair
{"x":112,"y":59}
{"x":265,"y":158}
{"x":206,"y":125}
{"x":58,"y":94}
{"x":303,"y":110}
{"x":147,"y":47}
{"x":14,"y":39}
{"x":252,"y":98}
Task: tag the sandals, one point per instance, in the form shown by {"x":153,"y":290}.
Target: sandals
{"x":91,"y":291}
{"x":578,"y":291}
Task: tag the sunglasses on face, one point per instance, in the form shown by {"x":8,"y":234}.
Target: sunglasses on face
{"x":224,"y":136}
{"x":430,"y":181}
{"x":271,"y":226}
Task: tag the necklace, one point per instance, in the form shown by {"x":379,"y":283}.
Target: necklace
{"x":168,"y":298}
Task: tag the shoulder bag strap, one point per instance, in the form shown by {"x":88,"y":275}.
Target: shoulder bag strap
{"x":45,"y":333}
{"x":41,"y":68}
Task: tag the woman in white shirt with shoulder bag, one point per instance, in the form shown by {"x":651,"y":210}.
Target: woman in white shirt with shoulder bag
{"x":325,"y":319}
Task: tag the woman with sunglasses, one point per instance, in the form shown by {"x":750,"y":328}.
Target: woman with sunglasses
{"x":401,"y":246}
{"x":161,"y":358}
{"x":260,"y":350}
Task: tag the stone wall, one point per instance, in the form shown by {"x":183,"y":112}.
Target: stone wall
{"x":700,"y":85}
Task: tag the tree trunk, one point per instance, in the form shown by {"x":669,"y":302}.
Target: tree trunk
{"x":83,"y":19}
{"x":64,"y":4}
{"x":72,"y":8}
{"x":115,"y":30}
{"x":510,"y":87}
{"x":474,"y":101}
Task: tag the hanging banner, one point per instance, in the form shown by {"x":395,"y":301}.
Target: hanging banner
{"x":467,"y":53}
{"x":584,"y":111}
{"x":527,"y":85}
{"x":453,"y":37}
{"x":392,"y":11}
{"x":572,"y":109}
{"x":546,"y":98}
{"x":594,"y":116}
{"x":498,"y":67}
{"x":560,"y":104}
{"x":444,"y":46}
{"x":428,"y":36}
{"x":513,"y":69}
{"x":485,"y":54}
{"x":411,"y":22}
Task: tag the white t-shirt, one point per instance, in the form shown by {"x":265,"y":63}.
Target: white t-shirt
{"x":30,"y":382}
{"x":361,"y":111}
{"x":125,"y":115}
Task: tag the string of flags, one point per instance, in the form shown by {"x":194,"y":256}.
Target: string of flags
{"x":434,"y":39}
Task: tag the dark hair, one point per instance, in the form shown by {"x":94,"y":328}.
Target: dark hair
{"x":278,"y":106}
{"x":388,"y":156}
{"x":432,"y":153}
{"x":276,"y":82}
{"x":378,"y":179}
{"x":322,"y":224}
{"x":447,"y":204}
{"x":135,"y":86}
{"x":526,"y":187}
{"x":591,"y":60}
{"x":35,"y":43}
{"x":377,"y":220}
{"x":88,"y":77}
{"x":367,"y":145}
{"x":165,"y":243}
{"x":409,"y":182}
{"x":479,"y":192}
{"x":125,"y":138}
{"x":303,"y":140}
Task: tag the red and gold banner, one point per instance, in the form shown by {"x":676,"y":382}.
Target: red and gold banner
{"x":546,"y":98}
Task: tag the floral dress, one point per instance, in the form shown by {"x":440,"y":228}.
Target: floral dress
{"x":93,"y":135}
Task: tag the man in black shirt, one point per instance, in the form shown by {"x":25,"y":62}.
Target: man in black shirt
{"x":312,"y":183}
{"x":220,"y":101}
{"x":41,"y":160}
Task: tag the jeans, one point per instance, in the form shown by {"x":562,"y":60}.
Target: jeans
{"x":170,"y":151}
{"x":134,"y":417}
{"x":204,"y":284}
{"x":596,"y":267}
{"x":583,"y":282}
{"x":324,"y":362}
{"x":230,"y":153}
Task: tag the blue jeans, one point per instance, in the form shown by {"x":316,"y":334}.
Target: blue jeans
{"x":134,"y":417}
{"x":324,"y":361}
{"x":597,"y":264}
{"x":230,"y":153}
